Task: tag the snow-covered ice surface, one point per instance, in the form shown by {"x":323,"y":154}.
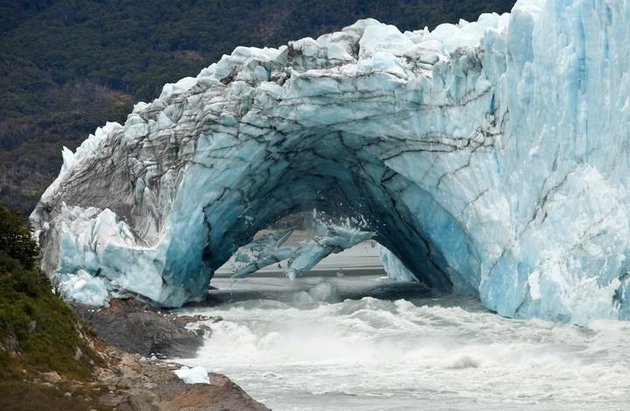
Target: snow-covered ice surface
{"x":490,"y":158}
{"x":424,"y":354}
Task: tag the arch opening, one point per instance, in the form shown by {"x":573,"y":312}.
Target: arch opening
{"x":324,"y":173}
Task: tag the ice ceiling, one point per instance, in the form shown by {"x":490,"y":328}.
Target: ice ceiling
{"x":491,"y":158}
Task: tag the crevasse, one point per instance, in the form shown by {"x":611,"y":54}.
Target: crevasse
{"x":489,"y":158}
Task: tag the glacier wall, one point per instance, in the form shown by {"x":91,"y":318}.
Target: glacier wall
{"x":489,"y":158}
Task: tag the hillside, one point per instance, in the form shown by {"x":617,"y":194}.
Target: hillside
{"x":67,"y":66}
{"x":38,"y":332}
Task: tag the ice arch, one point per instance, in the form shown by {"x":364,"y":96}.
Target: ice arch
{"x":491,"y":158}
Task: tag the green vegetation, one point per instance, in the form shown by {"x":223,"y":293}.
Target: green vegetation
{"x":17,"y":248}
{"x":38,"y":331}
{"x":16,"y":395}
{"x":68,"y":66}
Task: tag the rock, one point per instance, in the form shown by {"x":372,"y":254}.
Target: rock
{"x":139,"y":328}
{"x":142,"y":385}
{"x":51,"y":377}
{"x":220,"y":394}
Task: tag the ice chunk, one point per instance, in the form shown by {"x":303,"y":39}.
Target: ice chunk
{"x":328,"y":238}
{"x":195,"y":375}
{"x":83,"y":288}
{"x":394,"y":268}
{"x":383,"y":38}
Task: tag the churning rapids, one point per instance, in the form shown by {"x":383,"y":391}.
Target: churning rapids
{"x":298,"y":353}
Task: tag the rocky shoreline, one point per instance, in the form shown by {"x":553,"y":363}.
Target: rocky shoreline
{"x":133,"y":340}
{"x":131,"y":382}
{"x":139,"y":384}
{"x":137,"y":327}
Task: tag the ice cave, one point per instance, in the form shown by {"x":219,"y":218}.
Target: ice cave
{"x":490,"y":158}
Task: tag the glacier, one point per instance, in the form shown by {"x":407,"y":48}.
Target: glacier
{"x":488,"y":158}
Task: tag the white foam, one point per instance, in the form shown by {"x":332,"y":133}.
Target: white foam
{"x":396,"y":355}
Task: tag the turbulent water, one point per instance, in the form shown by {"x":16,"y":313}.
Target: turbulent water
{"x":421,"y":353}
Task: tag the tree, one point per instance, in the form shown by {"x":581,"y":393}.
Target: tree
{"x":16,"y":241}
